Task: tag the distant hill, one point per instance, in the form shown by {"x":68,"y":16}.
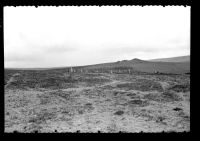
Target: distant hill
{"x":178,"y":66}
{"x":173,"y":59}
{"x":145,"y":66}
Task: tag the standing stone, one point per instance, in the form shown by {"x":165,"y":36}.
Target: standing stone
{"x":71,"y":69}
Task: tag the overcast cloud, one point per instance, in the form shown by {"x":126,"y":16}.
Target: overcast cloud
{"x":70,"y":36}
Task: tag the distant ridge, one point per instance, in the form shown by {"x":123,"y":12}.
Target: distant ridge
{"x":145,"y":66}
{"x":172,"y":59}
{"x":177,"y":65}
{"x":136,"y":60}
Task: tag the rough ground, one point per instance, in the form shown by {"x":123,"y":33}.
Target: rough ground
{"x":96,"y":102}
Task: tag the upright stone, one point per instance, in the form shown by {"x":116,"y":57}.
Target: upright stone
{"x":71,"y":69}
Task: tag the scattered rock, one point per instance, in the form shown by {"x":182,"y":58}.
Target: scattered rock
{"x":177,"y":109}
{"x":119,"y":113}
{"x":138,"y":102}
{"x":81,"y":112}
{"x":115,"y":93}
{"x":131,"y":94}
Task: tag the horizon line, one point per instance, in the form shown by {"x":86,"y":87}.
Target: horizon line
{"x":86,"y":65}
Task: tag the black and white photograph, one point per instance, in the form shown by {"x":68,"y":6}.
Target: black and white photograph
{"x":92,"y":69}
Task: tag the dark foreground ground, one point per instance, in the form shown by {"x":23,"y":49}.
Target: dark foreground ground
{"x":92,"y":102}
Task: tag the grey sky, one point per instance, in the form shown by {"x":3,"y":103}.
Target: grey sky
{"x":69,"y":36}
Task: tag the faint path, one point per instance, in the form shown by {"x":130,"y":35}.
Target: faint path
{"x":110,"y":83}
{"x":85,"y":88}
{"x":164,"y":85}
{"x":12,"y":79}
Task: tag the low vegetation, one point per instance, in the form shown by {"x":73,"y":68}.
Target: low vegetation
{"x":97,"y":100}
{"x":142,"y":85}
{"x":167,"y":96}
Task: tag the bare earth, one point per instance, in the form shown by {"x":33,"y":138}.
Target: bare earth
{"x":97,"y":102}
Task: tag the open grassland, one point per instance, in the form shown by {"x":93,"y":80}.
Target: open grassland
{"x":56,"y":101}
